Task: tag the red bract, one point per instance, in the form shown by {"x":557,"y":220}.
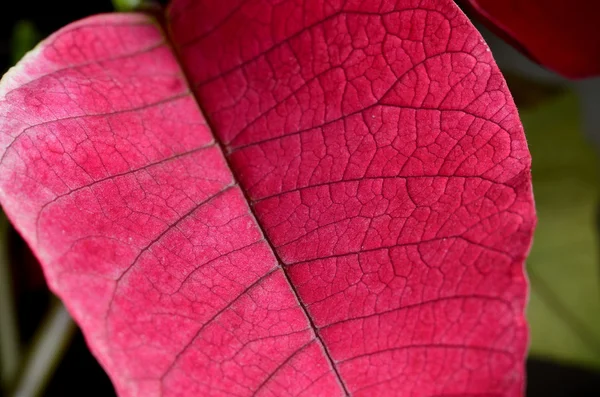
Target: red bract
{"x":357,"y":224}
{"x":559,"y":34}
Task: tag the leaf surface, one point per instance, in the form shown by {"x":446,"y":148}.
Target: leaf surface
{"x":559,"y":34}
{"x":357,"y":224}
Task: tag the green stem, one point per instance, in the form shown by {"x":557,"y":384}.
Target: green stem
{"x":9,"y":331}
{"x":50,"y":343}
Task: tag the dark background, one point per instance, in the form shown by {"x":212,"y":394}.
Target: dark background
{"x":78,"y":373}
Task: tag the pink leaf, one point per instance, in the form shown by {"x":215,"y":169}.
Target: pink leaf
{"x":559,"y":34}
{"x":356,"y":225}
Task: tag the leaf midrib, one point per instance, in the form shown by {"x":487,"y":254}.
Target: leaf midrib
{"x":163,"y":25}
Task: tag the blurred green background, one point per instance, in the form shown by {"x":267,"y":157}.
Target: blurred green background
{"x":564,"y":307}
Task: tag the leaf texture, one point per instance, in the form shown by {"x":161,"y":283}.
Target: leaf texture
{"x":559,"y":34}
{"x":356,"y":225}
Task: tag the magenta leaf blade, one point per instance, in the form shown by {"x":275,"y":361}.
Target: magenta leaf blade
{"x":351,"y":217}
